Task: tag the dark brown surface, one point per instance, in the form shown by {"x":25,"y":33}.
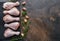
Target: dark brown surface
{"x":45,"y":20}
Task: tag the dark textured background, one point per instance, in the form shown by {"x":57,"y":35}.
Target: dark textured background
{"x":45,"y":20}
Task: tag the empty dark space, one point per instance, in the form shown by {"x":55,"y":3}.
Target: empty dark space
{"x":45,"y":20}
